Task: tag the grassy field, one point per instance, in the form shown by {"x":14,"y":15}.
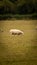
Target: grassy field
{"x":18,"y":49}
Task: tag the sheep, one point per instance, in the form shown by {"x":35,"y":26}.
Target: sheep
{"x":16,"y":32}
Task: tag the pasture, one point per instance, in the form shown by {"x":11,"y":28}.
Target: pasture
{"x":18,"y":49}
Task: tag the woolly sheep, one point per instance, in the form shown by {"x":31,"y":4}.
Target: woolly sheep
{"x":16,"y":32}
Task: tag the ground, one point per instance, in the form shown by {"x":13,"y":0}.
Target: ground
{"x":18,"y":49}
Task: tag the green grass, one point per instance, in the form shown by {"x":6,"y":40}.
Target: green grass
{"x":19,"y":49}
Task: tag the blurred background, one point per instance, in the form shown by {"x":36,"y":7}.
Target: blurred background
{"x":18,"y":9}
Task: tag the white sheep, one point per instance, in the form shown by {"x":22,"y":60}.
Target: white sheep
{"x":16,"y":32}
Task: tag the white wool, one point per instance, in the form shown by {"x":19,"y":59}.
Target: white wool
{"x":15,"y":31}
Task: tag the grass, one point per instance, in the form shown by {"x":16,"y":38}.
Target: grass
{"x":19,"y":49}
